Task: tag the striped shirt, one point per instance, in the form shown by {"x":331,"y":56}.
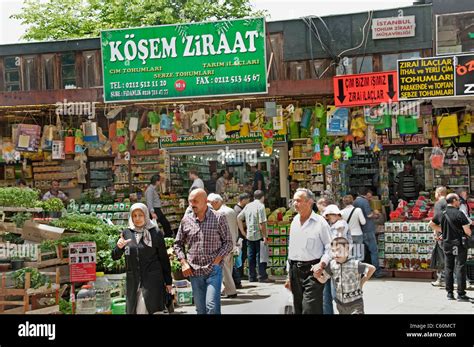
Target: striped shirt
{"x":409,"y":186}
{"x":205,"y":240}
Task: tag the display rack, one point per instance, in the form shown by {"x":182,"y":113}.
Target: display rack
{"x":308,"y":174}
{"x":277,"y":240}
{"x":63,"y":171}
{"x":173,"y":208}
{"x":100,"y":172}
{"x":361,"y":171}
{"x":408,"y":248}
{"x":118,"y":213}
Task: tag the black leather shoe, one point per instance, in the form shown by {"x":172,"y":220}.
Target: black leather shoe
{"x":233,"y":296}
{"x":450,"y":296}
{"x":464,"y":298}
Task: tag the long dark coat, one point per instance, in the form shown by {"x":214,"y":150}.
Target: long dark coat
{"x":147,"y":267}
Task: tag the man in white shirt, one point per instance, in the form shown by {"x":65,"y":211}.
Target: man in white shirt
{"x":256,"y":221}
{"x":217,"y":204}
{"x":197,"y":182}
{"x":310,"y":244}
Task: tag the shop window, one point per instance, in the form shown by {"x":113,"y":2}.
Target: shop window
{"x":30,"y":76}
{"x":355,"y":65}
{"x":322,"y":68}
{"x":48,"y":71}
{"x":68,"y":70}
{"x":389,"y":61}
{"x":297,"y":70}
{"x":12,"y":73}
{"x":91,"y":70}
{"x":275,"y":46}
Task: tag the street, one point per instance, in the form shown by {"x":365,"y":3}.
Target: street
{"x":381,"y":296}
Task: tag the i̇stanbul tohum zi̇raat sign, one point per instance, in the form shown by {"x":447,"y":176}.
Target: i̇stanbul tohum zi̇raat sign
{"x":186,"y":60}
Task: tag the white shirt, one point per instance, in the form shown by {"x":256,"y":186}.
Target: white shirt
{"x":254,"y":215}
{"x":311,"y":240}
{"x":356,"y":221}
{"x":197,"y":183}
{"x":231,"y":217}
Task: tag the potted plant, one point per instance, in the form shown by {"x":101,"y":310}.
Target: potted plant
{"x":17,"y":262}
{"x":176,"y":270}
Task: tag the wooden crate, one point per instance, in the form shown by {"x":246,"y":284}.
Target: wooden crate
{"x":60,"y":258}
{"x":11,"y":297}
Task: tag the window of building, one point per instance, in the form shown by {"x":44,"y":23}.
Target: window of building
{"x":389,"y":61}
{"x":30,"y":76}
{"x":91,"y":70}
{"x":355,"y":65}
{"x":68,"y":69}
{"x":48,"y":71}
{"x":12,"y":73}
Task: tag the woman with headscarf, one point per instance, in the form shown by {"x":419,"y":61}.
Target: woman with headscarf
{"x":147,"y":263}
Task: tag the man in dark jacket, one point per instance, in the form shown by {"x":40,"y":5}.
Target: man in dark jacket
{"x":454,"y":225}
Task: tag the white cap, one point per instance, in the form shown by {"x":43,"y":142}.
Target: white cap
{"x":332,"y":209}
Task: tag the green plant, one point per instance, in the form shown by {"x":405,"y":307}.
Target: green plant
{"x":169,"y":241}
{"x":13,"y":238}
{"x":65,"y":306}
{"x":175,"y":265}
{"x":37,"y":279}
{"x":20,"y":218}
{"x":18,"y":197}
{"x":53,"y":205}
{"x":85,"y":224}
{"x":107,"y":264}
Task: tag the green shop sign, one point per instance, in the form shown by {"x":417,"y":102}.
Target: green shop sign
{"x":195,"y":140}
{"x":185,"y":60}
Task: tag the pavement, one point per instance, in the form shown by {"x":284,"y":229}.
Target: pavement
{"x":381,"y":296}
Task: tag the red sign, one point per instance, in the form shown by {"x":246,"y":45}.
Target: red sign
{"x":82,"y":261}
{"x":365,"y":89}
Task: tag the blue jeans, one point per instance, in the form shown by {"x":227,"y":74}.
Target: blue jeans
{"x":207,"y":291}
{"x":371,"y":243}
{"x":327,"y":298}
{"x":358,"y":247}
{"x":253,"y":256}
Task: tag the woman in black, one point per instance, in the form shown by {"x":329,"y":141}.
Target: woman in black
{"x":147,"y":263}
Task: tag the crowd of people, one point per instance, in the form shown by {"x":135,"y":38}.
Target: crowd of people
{"x":326,"y":251}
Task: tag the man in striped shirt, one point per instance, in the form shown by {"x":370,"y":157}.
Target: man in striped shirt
{"x":405,"y":184}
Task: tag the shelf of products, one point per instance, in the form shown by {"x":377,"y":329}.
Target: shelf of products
{"x":173,"y":208}
{"x":65,"y":172}
{"x":308,"y":174}
{"x":454,"y":174}
{"x":408,"y":245}
{"x":118,"y":213}
{"x":179,"y":167}
{"x":145,"y":165}
{"x":361,"y":171}
{"x":278,"y":235}
{"x":100,"y":172}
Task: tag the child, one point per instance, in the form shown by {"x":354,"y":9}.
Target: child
{"x":345,"y":274}
{"x":338,"y":226}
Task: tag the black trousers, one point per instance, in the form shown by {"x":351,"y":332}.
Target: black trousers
{"x":307,"y":291}
{"x":456,"y":261}
{"x":164,"y":222}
